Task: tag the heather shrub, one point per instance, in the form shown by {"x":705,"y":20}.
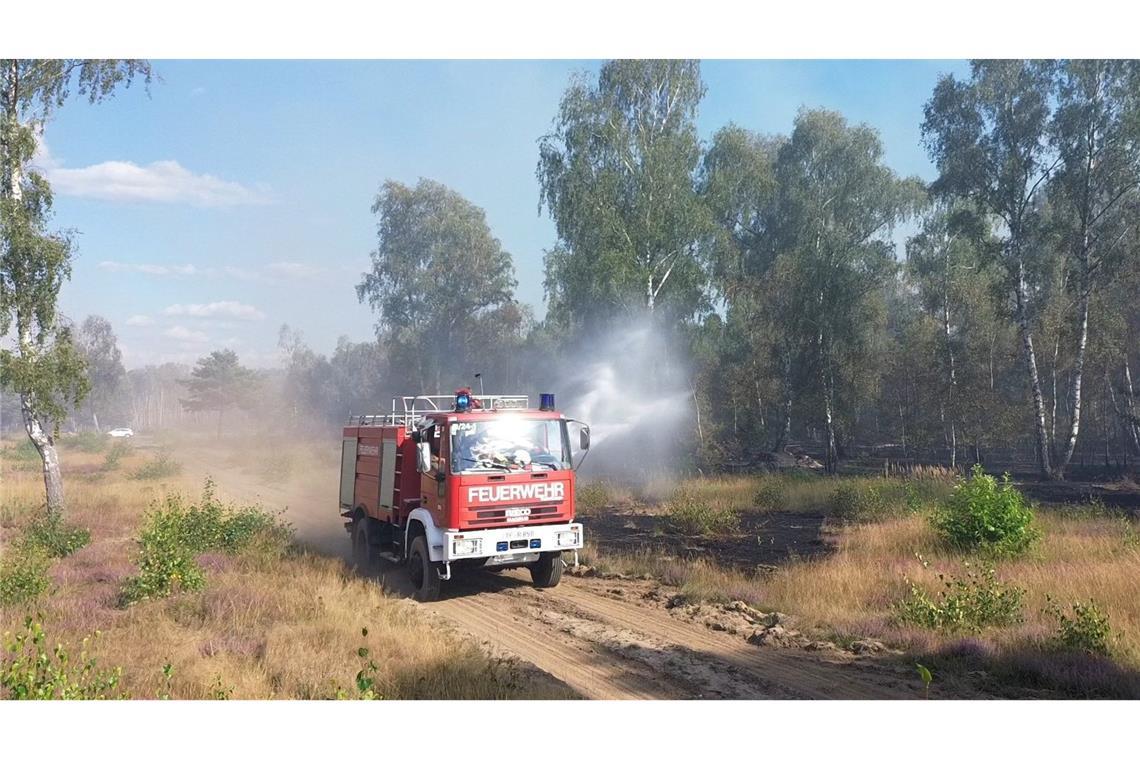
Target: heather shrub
{"x":983,"y":515}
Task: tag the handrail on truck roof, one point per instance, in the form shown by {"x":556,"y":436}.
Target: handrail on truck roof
{"x":408,"y":410}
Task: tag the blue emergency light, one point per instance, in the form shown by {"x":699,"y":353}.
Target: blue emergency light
{"x":546,"y":402}
{"x":462,"y":402}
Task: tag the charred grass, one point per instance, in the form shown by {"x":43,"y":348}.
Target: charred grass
{"x":264,"y":625}
{"x":883,"y":544}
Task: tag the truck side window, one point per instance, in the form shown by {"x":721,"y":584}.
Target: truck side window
{"x":433,"y":439}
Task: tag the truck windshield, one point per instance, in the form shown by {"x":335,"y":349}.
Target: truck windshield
{"x":510,"y":444}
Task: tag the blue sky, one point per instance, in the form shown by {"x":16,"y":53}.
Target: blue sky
{"x":237,"y":196}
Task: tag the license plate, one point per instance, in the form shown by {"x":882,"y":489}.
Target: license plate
{"x":518,"y":512}
{"x":514,"y":534}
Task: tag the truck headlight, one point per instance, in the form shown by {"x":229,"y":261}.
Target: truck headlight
{"x":466,"y":547}
{"x":566,"y":538}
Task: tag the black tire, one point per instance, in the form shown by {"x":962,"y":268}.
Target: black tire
{"x":547,"y":571}
{"x":423,"y":572}
{"x":363,"y":552}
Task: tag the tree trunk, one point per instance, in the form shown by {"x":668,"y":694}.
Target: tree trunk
{"x":1078,"y":371}
{"x":1042,"y":442}
{"x":950,"y":368}
{"x":786,"y":424}
{"x":42,"y":440}
{"x":1133,"y":420}
{"x":95,"y":419}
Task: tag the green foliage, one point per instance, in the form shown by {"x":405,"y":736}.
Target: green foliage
{"x":23,"y":574}
{"x":365,"y":680}
{"x":692,"y":516}
{"x":219,"y":690}
{"x":24,"y":452}
{"x":439,"y":278}
{"x":33,"y":669}
{"x":970,"y":603}
{"x":870,"y":499}
{"x":926,"y":676}
{"x":176,"y":532}
{"x":617,"y":178}
{"x":161,"y":466}
{"x":592,"y":498}
{"x":219,"y":382}
{"x":54,"y":537}
{"x":118,"y":450}
{"x":982,"y":516}
{"x":1086,"y":630}
{"x":86,"y":440}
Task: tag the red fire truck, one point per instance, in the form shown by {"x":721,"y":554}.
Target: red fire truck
{"x":449,"y":483}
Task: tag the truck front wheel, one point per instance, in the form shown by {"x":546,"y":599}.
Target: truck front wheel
{"x":547,"y":571}
{"x":423,"y":572}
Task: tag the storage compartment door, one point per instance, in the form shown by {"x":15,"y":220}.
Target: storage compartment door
{"x":348,"y":473}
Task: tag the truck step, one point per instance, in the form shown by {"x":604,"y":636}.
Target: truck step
{"x":390,"y":557}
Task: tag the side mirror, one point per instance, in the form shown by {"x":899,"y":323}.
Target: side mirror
{"x":423,"y":457}
{"x":584,"y":439}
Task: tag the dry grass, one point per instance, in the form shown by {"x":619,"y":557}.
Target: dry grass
{"x":850,"y":593}
{"x":262,"y":628}
{"x":798,"y":491}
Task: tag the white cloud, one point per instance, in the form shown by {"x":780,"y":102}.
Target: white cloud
{"x":178,"y":332}
{"x":232,"y":309}
{"x":294,"y":269}
{"x":139,"y":320}
{"x":158,"y":270}
{"x":158,"y":182}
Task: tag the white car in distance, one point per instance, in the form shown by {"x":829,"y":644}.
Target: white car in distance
{"x":123,"y":432}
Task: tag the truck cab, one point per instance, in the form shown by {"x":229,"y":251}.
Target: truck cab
{"x":458,"y":483}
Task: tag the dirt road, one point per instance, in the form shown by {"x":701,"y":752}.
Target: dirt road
{"x":605,"y":639}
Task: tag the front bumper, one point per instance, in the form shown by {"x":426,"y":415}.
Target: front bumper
{"x":504,"y":544}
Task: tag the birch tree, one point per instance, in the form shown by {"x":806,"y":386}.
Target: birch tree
{"x":989,"y":138}
{"x":44,"y":368}
{"x":1096,"y":134}
{"x":837,"y":202}
{"x":618,"y":178}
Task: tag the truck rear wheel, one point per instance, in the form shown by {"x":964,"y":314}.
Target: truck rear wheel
{"x":423,"y":572}
{"x":363,"y":553}
{"x":547,"y":572}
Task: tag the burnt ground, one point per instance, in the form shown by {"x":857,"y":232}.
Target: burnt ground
{"x":764,"y":542}
{"x":1123,"y":495}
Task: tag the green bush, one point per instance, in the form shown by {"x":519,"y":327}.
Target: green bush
{"x":161,"y":466}
{"x":770,"y":494}
{"x":23,"y":455}
{"x":978,"y":600}
{"x":23,"y":574}
{"x":54,"y":537}
{"x":31,"y":669}
{"x":691,"y":516}
{"x":1087,"y":630}
{"x":592,"y":498}
{"x":175,"y":533}
{"x":87,"y":440}
{"x":118,"y":450}
{"x":982,"y":515}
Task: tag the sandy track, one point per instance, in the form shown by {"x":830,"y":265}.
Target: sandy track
{"x":600,"y":646}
